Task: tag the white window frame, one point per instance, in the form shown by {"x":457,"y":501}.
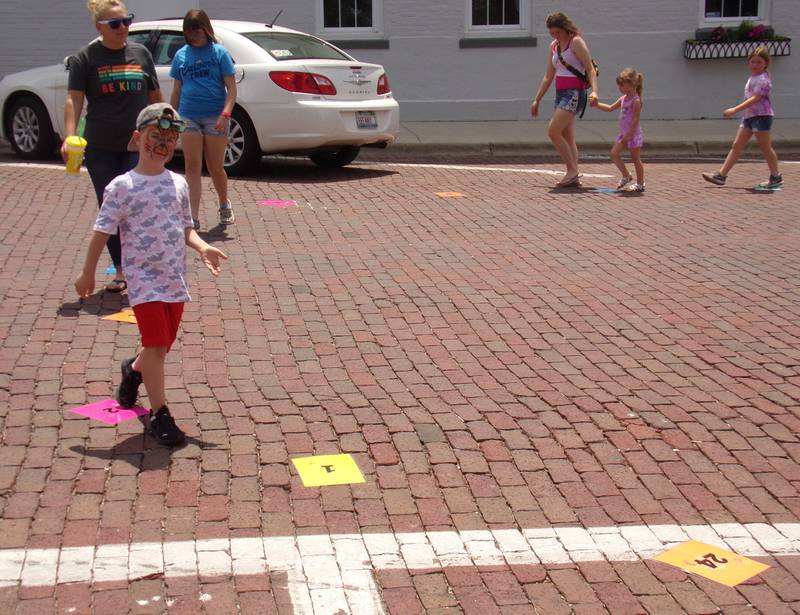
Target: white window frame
{"x":343,"y":33}
{"x":522,"y":27}
{"x":764,"y":16}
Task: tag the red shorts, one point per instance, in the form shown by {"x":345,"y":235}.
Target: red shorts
{"x":158,"y":323}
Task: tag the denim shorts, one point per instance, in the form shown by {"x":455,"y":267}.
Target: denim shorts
{"x":205,"y":126}
{"x":572,"y":100}
{"x":757,"y":123}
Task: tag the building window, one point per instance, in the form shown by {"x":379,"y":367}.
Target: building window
{"x":492,"y":17}
{"x":495,"y":12}
{"x":738,"y":9}
{"x":725,"y":12}
{"x":349,"y":16}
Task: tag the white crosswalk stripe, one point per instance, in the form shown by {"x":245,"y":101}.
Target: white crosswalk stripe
{"x":333,"y":573}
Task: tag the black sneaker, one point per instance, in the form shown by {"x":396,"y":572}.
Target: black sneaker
{"x":715,"y":178}
{"x":774,"y":182}
{"x":164,"y":429}
{"x":128,"y":389}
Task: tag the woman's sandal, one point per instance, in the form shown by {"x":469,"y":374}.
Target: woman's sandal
{"x":116,"y":286}
{"x":571,"y":182}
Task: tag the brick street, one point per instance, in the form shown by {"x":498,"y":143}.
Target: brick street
{"x":543,"y":390}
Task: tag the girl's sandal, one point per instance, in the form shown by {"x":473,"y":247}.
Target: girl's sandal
{"x":116,"y":286}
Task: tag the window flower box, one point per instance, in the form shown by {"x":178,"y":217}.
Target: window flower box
{"x":705,"y":50}
{"x":735,"y":42}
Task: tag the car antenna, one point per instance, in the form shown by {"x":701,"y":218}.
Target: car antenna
{"x":272,"y":23}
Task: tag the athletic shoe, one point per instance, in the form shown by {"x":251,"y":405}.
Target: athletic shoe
{"x":624,"y":181}
{"x":226,"y":213}
{"x":635,"y":187}
{"x":715,"y":178}
{"x":128,"y":389}
{"x":196,"y":224}
{"x":164,"y":429}
{"x":775,"y":181}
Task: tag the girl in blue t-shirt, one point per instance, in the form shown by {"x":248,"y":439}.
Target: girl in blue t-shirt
{"x":204,"y":94}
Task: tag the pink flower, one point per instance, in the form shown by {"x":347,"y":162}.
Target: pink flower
{"x":757,"y":32}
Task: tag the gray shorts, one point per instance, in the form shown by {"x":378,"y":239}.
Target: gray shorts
{"x":205,"y":126}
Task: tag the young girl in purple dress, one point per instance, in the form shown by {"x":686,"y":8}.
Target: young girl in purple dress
{"x":630,"y":136}
{"x":756,"y":120}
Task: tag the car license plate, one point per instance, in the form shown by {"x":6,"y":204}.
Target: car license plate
{"x":366,"y":120}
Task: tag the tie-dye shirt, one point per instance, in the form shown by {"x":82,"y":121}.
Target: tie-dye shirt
{"x":758,"y":84}
{"x":152,"y":212}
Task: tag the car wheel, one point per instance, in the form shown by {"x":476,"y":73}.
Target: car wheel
{"x":334,"y":160}
{"x":30,"y":130}
{"x":243,"y":152}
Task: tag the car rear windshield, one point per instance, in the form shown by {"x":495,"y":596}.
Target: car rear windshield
{"x":288,"y":46}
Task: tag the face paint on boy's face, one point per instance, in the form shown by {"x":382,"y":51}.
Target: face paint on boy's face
{"x":160,"y":143}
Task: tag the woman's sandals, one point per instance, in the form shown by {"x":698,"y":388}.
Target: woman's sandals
{"x":570,"y":182}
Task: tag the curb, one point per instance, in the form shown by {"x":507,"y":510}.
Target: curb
{"x":658,"y":148}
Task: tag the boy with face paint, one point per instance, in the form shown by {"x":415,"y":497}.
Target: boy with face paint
{"x":150,"y":205}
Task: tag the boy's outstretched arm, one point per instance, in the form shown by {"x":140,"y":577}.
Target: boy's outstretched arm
{"x":85,"y":282}
{"x":209,"y":254}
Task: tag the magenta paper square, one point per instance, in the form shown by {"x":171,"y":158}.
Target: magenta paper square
{"x":108,"y":411}
{"x":277,"y":203}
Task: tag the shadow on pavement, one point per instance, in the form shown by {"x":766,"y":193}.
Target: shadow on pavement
{"x":216,"y":234}
{"x":101,"y":303}
{"x":140,"y":451}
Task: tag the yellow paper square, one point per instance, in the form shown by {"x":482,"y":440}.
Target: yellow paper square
{"x":712,"y":562}
{"x":323,"y":470}
{"x":125,"y":315}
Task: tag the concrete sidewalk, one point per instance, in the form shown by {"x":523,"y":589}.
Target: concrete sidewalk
{"x":686,"y":137}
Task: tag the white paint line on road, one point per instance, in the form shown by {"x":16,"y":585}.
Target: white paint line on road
{"x":333,"y":573}
{"x":36,"y":165}
{"x":464,"y":167}
{"x":455,"y":167}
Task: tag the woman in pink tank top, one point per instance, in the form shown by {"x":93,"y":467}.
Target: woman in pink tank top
{"x":571,"y":86}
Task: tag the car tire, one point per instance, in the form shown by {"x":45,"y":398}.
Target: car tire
{"x":30,"y":130}
{"x":243,"y":152}
{"x":337,"y":159}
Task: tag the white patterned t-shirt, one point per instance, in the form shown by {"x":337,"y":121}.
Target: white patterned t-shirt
{"x":152,"y":212}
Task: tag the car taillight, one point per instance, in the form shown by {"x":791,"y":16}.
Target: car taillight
{"x":306,"y":83}
{"x":383,"y":84}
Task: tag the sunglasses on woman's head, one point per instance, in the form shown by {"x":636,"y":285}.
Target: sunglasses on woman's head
{"x":117,"y":22}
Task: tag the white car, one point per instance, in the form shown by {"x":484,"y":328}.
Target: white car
{"x":297,"y":94}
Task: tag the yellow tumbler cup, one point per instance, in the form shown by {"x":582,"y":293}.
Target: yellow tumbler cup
{"x":76,"y":146}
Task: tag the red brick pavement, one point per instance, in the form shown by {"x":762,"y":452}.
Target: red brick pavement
{"x":517,"y":357}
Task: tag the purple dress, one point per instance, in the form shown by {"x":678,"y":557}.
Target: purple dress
{"x":625,"y":121}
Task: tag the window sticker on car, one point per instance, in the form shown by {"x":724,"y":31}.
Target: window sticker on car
{"x":280,"y":53}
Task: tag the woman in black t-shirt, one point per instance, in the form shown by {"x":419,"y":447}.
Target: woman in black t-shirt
{"x":117,"y":79}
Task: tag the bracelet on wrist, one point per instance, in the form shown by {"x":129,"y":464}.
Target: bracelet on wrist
{"x":226,"y":114}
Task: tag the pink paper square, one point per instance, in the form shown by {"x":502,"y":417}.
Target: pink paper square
{"x":277,"y":203}
{"x":108,"y":411}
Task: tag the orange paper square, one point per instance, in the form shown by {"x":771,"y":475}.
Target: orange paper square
{"x":125,"y":315}
{"x":712,"y":562}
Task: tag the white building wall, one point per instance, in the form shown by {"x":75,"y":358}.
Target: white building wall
{"x":434,"y":79}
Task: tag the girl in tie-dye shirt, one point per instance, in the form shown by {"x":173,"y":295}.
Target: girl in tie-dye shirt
{"x":756,"y":120}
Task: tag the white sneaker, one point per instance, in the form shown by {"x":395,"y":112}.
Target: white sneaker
{"x":624,"y":181}
{"x":226,"y":213}
{"x":635,"y":187}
